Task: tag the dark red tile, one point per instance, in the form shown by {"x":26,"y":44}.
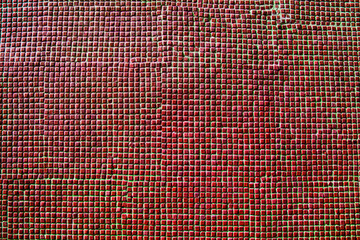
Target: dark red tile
{"x":179,"y":119}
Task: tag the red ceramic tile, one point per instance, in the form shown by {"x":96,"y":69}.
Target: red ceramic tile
{"x":180,"y":119}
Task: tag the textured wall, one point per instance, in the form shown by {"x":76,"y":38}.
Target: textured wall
{"x":180,"y":119}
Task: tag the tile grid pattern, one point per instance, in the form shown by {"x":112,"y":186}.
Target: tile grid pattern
{"x":180,"y":119}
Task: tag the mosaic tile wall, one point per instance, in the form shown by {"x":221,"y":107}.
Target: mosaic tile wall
{"x":211,"y":119}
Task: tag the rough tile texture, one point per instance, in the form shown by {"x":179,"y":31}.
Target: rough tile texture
{"x":180,"y":119}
